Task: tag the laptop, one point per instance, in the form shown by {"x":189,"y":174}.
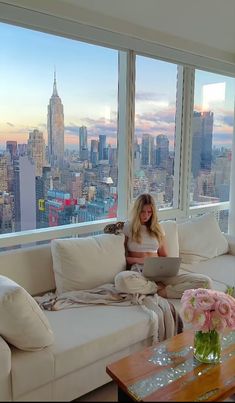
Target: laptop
{"x":156,"y":268}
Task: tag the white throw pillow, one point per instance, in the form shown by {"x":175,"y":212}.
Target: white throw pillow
{"x":22,"y":322}
{"x":200,"y":238}
{"x":171,"y":232}
{"x":86,"y":263}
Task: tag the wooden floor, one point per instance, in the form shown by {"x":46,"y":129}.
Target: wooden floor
{"x":108,"y":393}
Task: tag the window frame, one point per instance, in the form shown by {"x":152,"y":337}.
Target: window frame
{"x":128,"y":47}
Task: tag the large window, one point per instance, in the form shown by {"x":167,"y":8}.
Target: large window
{"x":58,"y":130}
{"x":61,"y":129}
{"x":155,"y":168}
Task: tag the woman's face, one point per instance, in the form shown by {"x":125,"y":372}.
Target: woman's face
{"x":146,"y":213}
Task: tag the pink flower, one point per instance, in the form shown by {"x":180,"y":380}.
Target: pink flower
{"x":204,"y":302}
{"x":217,"y":322}
{"x":208,"y":309}
{"x":187,"y":296}
{"x":223,"y":308}
{"x":199,"y":319}
{"x":187,"y":313}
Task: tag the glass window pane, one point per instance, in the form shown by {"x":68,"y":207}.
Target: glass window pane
{"x":212,"y":131}
{"x":155,"y":119}
{"x":58,"y":130}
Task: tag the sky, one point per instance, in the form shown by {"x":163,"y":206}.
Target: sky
{"x":87,"y":83}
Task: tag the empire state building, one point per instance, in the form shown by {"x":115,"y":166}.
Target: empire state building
{"x":55,"y":129}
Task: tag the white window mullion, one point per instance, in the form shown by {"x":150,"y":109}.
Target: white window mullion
{"x":178,"y":139}
{"x":188,"y":75}
{"x":231,"y":218}
{"x":126,"y":116}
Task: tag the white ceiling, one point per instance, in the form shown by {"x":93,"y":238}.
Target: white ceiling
{"x":210,"y":22}
{"x":200,"y":26}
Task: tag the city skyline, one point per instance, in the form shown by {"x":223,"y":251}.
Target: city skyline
{"x":87,"y":82}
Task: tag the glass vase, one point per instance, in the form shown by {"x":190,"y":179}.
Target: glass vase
{"x":207,"y":346}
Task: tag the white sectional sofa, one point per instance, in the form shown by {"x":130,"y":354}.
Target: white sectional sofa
{"x":86,"y":339}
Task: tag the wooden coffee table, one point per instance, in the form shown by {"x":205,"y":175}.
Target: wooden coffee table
{"x":168,"y":371}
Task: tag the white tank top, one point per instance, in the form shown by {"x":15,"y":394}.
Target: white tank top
{"x":148,"y":243}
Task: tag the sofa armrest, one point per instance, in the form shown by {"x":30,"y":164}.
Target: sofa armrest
{"x":231,"y":243}
{"x":5,"y":371}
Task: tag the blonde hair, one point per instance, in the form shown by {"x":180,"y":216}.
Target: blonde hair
{"x":152,"y":225}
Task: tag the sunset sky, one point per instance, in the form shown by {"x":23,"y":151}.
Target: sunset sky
{"x":87,"y":83}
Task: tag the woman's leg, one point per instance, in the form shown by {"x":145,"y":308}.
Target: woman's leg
{"x":133,"y":282}
{"x":175,"y":286}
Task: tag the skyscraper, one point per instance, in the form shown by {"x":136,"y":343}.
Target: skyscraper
{"x":102,"y":147}
{"x":162,"y":151}
{"x":94,"y":151}
{"x":36,"y":150}
{"x":24,"y":194}
{"x":83,"y":148}
{"x":3,"y":173}
{"x":11,"y":146}
{"x":147,"y":149}
{"x":55,"y":128}
{"x":202,"y":142}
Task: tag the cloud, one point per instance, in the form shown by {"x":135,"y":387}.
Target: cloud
{"x":95,"y":127}
{"x":154,"y":124}
{"x":148,"y":96}
{"x":229,"y":120}
{"x":72,"y":129}
{"x":222,"y":139}
{"x":42,"y":126}
{"x":10,"y":124}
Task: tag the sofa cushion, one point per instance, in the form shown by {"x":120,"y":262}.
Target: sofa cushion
{"x":85,"y":263}
{"x":171,"y":232}
{"x":87,"y":334}
{"x":200,"y":238}
{"x":220,"y":269}
{"x":23,"y":324}
{"x":31,"y":371}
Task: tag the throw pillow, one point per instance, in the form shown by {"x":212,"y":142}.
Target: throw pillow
{"x":23,"y":324}
{"x":200,"y":238}
{"x":171,"y":233}
{"x":86,"y":263}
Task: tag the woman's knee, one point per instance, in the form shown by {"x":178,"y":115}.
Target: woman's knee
{"x":132,"y":282}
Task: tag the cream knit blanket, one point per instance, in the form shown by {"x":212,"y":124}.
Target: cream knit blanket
{"x":164,"y":319}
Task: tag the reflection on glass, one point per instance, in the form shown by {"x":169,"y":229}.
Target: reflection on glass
{"x":212,"y":128}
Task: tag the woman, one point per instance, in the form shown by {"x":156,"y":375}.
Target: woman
{"x":144,"y":237}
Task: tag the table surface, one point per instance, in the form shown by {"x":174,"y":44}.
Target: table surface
{"x":167,"y":371}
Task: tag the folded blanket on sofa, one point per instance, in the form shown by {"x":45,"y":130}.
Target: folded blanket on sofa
{"x":165,"y":320}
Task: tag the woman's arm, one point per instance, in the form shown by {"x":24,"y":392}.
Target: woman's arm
{"x":163,"y":249}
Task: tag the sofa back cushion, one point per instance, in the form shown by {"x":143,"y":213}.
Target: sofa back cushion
{"x":30,"y":267}
{"x":85,"y":263}
{"x":23,"y":324}
{"x":171,"y":233}
{"x":200,"y":238}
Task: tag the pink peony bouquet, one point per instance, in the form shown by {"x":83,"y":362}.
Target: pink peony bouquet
{"x":208,"y":310}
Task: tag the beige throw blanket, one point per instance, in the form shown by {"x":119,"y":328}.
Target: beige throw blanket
{"x":165,"y":320}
